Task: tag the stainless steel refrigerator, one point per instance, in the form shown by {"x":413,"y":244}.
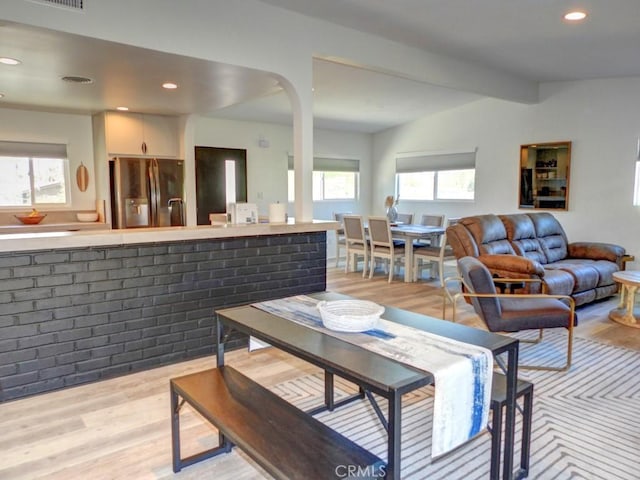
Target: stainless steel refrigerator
{"x":147,"y":192}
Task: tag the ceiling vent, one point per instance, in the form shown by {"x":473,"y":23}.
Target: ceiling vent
{"x":77,"y":79}
{"x":71,"y":4}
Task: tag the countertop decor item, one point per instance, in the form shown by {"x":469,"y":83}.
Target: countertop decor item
{"x":350,"y":315}
{"x":32,"y":218}
{"x":277,"y":212}
{"x":87,"y":217}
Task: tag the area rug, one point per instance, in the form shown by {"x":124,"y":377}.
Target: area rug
{"x":586,"y":422}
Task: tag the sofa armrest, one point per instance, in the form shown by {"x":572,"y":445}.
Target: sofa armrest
{"x":596,"y":251}
{"x":512,"y":265}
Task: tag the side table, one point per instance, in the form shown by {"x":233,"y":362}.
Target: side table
{"x":626,"y":313}
{"x":507,"y":286}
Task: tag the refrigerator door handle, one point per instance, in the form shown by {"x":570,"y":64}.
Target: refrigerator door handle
{"x":176,"y":203}
{"x":153,"y":191}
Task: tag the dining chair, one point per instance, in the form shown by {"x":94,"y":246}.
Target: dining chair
{"x":429,"y":220}
{"x":383,"y":246}
{"x":356,"y":243}
{"x":340,"y":240}
{"x":405,"y":218}
{"x":432,"y":220}
{"x":432,"y":257}
{"x":507,"y":312}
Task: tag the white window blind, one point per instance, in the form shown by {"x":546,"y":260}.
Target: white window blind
{"x":33,"y":150}
{"x":434,"y":161}
{"x":324,"y":164}
{"x":33,"y":174}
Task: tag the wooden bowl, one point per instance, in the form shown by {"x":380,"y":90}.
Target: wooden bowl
{"x":30,"y":219}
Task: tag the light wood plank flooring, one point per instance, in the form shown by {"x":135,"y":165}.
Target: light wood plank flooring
{"x":426,"y":297}
{"x":119,"y":428}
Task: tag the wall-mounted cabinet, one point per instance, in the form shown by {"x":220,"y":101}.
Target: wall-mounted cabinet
{"x":138,"y":134}
{"x":544,"y":175}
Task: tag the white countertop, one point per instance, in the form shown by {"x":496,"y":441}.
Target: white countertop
{"x":53,"y":227}
{"x":15,"y":242}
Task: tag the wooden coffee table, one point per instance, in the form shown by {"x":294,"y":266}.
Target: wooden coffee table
{"x":626,"y":313}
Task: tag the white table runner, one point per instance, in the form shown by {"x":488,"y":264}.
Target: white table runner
{"x":462,"y":372}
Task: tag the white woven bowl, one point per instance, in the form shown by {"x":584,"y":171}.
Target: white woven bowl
{"x":350,"y":315}
{"x":87,"y":217}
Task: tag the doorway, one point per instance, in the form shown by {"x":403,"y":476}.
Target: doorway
{"x":221,"y":178}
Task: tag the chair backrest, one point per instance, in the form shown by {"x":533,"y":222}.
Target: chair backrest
{"x":477,"y":278}
{"x":551,"y":236}
{"x":406,"y":218}
{"x":521,"y":232}
{"x":446,"y":252}
{"x":354,"y":229}
{"x":432,"y":220}
{"x":380,"y":232}
{"x":489,"y":234}
{"x":461,"y":241}
{"x":339,"y":217}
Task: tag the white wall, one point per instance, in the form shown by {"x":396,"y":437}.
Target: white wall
{"x":73,"y":130}
{"x":598,"y":116}
{"x":267,"y":167}
{"x":252,"y":34}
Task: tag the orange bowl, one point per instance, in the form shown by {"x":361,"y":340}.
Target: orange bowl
{"x":30,"y":219}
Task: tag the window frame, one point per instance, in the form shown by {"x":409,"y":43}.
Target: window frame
{"x":34,"y":151}
{"x":636,"y":186}
{"x":321,"y":166}
{"x":435,"y":163}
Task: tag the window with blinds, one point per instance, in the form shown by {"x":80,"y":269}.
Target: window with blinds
{"x":333,"y":179}
{"x":436,"y":175}
{"x":33,"y":174}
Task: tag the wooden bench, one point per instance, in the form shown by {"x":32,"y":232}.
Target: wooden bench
{"x":285,"y":441}
{"x":524,"y":389}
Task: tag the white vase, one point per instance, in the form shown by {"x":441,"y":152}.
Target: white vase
{"x":392,"y":214}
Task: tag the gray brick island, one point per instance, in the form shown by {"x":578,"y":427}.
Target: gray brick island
{"x":77,"y":307}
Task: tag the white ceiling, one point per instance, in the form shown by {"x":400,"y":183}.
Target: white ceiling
{"x":526,"y":38}
{"x":123,"y":76}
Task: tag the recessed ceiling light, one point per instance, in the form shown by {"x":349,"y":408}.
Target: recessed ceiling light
{"x":9,"y":61}
{"x":169,"y":86}
{"x":575,"y":16}
{"x":1,"y":95}
{"x":123,"y":109}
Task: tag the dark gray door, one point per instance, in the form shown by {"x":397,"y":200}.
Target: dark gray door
{"x":211,"y":174}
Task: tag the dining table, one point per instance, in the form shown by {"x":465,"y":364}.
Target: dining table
{"x":370,"y":371}
{"x":409,"y":233}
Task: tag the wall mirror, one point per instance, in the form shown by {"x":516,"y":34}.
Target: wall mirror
{"x":544,"y":175}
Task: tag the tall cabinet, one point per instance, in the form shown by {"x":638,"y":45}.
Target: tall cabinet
{"x":120,"y":134}
{"x":139,"y":134}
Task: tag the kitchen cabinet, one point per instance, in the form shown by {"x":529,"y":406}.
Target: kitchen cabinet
{"x":138,"y":134}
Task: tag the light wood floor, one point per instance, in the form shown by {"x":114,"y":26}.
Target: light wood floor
{"x":426,"y":297}
{"x":119,"y":428}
